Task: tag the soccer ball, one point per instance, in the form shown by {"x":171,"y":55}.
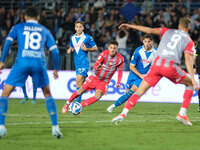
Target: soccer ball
{"x":75,"y":108}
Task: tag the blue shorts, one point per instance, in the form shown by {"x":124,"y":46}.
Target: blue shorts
{"x":82,"y":71}
{"x":133,"y":81}
{"x":20,"y":72}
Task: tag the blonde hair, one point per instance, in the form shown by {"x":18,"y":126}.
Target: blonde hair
{"x":185,"y":22}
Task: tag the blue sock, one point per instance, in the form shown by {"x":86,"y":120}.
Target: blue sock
{"x":34,"y":92}
{"x":52,"y":110}
{"x":24,"y":90}
{"x":78,"y":99}
{"x":3,"y":109}
{"x":123,"y":98}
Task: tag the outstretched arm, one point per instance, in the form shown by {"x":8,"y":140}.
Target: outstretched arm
{"x":144,"y":29}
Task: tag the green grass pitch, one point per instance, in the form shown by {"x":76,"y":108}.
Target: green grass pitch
{"x":149,"y":126}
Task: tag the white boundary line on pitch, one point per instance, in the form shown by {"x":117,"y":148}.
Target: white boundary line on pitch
{"x":83,"y":122}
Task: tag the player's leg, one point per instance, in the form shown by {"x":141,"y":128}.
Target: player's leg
{"x":91,"y":100}
{"x":132,"y":101}
{"x":4,"y":108}
{"x":25,"y":94}
{"x":187,"y":96}
{"x":79,"y":81}
{"x":122,"y":99}
{"x":52,"y":110}
{"x":34,"y":93}
{"x":77,"y":93}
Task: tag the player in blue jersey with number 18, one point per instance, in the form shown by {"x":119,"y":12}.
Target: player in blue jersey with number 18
{"x":31,"y":38}
{"x":81,"y":44}
{"x":139,"y":66}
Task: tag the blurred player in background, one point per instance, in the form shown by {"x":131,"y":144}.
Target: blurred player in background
{"x":197,"y":67}
{"x":173,"y":44}
{"x":31,"y":38}
{"x":104,"y":68}
{"x":139,"y":66}
{"x":26,"y":96}
{"x":81,"y":44}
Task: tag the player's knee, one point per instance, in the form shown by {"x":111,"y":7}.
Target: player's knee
{"x":46,"y":91}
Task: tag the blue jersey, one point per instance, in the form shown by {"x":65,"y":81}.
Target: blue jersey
{"x":31,"y":38}
{"x":142,"y":59}
{"x":80,"y":56}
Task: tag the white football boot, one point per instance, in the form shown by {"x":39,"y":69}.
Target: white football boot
{"x":3,"y":131}
{"x":56,"y":132}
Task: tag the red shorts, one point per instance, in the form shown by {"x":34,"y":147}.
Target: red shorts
{"x":172,"y":72}
{"x":94,"y":83}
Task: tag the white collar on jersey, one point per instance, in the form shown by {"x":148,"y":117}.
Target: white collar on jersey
{"x":79,"y":35}
{"x":32,"y":21}
{"x":152,"y":49}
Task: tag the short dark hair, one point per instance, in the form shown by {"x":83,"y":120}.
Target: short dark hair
{"x":32,"y":12}
{"x":81,"y":22}
{"x":113,"y":42}
{"x":148,"y":36}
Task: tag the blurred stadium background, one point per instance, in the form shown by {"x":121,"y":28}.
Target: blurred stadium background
{"x":102,"y":18}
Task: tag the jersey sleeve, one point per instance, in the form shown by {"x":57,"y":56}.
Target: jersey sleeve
{"x":120,"y":68}
{"x":50,"y":42}
{"x":162,"y":31}
{"x":190,"y":48}
{"x":70,"y":43}
{"x":91,"y":41}
{"x":12,"y":34}
{"x":134,"y":58}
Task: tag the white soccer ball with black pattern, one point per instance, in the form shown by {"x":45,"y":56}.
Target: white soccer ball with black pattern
{"x":75,"y":108}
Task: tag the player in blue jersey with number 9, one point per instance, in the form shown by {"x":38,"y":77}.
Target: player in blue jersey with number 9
{"x":31,"y":38}
{"x":81,"y":44}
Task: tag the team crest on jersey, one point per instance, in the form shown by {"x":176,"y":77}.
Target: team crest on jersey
{"x":110,"y":63}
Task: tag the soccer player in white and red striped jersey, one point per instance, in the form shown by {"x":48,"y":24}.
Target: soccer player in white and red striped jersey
{"x":104,"y":68}
{"x":173,"y":44}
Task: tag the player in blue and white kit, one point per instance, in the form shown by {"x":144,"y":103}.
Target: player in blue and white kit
{"x":139,"y":66}
{"x":81,"y":44}
{"x":31,"y":38}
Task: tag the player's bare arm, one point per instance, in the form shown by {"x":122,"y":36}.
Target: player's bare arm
{"x":189,"y":66}
{"x":69,"y":50}
{"x":141,"y":28}
{"x":84,"y":48}
{"x":55,"y":74}
{"x":133,"y":68}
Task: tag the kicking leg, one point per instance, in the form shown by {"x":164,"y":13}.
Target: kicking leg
{"x":132,"y":101}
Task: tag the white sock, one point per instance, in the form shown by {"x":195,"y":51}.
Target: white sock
{"x":125,"y":111}
{"x":183,"y":111}
{"x":67,"y":102}
{"x":113,"y":105}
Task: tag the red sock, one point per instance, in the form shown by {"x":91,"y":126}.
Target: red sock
{"x":187,"y":98}
{"x":73,"y":96}
{"x":132,"y":101}
{"x":89,"y":101}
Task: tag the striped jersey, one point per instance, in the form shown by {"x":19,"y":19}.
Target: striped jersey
{"x":172,"y":45}
{"x":109,"y":66}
